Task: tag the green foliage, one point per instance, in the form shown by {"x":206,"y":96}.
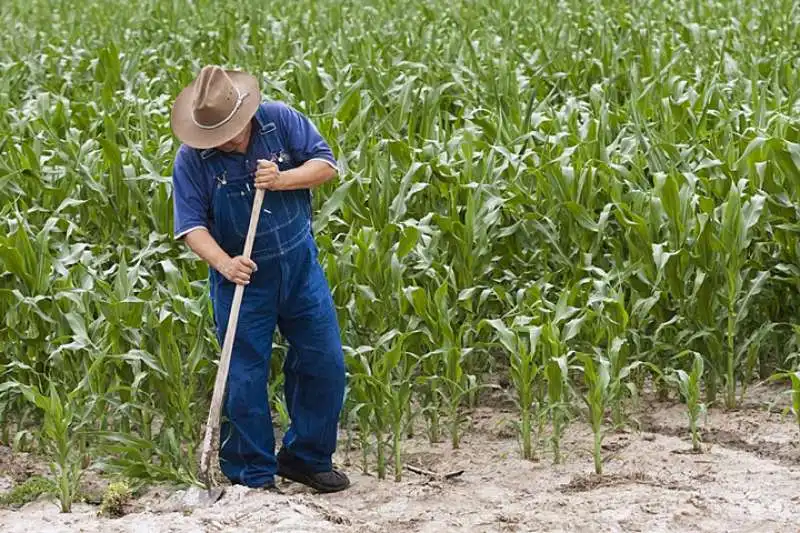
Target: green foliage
{"x":381,"y":388}
{"x":524,"y":372}
{"x":115,"y":497}
{"x":28,"y":491}
{"x":794,"y":391}
{"x":689,"y":387}
{"x":597,"y":378}
{"x":64,"y":435}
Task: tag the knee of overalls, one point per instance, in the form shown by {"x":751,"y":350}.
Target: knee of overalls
{"x":307,"y":317}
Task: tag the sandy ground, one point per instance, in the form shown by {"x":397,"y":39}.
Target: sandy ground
{"x":747,"y":480}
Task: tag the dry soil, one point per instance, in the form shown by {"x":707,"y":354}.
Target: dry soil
{"x":746,"y":480}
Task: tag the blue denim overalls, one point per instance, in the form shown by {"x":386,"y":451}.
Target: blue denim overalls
{"x":289,"y":289}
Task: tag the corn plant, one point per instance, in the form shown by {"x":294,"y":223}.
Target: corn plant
{"x":689,"y":386}
{"x":64,"y":436}
{"x":556,"y":373}
{"x":559,"y":329}
{"x":381,"y":387}
{"x":596,"y":377}
{"x":278,"y":402}
{"x":447,"y":385}
{"x":794,"y":391}
{"x":737,"y":222}
{"x":524,"y":373}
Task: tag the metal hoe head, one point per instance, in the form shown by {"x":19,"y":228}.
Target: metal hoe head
{"x":200,"y":497}
{"x":205,"y":495}
{"x":211,"y":493}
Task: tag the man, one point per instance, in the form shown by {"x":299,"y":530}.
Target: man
{"x":232,"y":144}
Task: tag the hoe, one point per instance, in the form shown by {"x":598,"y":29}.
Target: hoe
{"x":212,"y":493}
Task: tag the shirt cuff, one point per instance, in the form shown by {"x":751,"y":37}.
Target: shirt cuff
{"x":184,"y":232}
{"x":331,"y":163}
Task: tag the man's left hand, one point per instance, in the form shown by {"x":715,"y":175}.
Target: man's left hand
{"x":268,"y":176}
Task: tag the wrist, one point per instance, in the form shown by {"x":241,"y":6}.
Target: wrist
{"x":286,"y":180}
{"x":219,"y":261}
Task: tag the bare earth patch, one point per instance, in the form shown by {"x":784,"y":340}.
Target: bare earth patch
{"x":17,"y":467}
{"x":746,"y":480}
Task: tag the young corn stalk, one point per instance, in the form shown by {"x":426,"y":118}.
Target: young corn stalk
{"x":738,"y":218}
{"x":557,"y":403}
{"x":277,"y":401}
{"x":448,"y":384}
{"x":456,"y":388}
{"x":431,"y":367}
{"x":361,"y":413}
{"x":431,"y":397}
{"x":794,"y":392}
{"x":525,"y":370}
{"x":613,"y":320}
{"x":689,"y":387}
{"x":619,"y":383}
{"x":382,"y":384}
{"x":399,"y":386}
{"x":564,"y":325}
{"x":62,"y":432}
{"x":359,"y":406}
{"x":597,"y":378}
{"x":524,"y":377}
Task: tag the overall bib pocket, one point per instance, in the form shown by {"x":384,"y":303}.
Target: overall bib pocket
{"x":285,"y":217}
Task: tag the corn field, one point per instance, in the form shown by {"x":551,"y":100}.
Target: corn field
{"x":572,"y":202}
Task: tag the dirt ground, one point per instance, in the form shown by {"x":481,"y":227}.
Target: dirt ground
{"x":747,"y":480}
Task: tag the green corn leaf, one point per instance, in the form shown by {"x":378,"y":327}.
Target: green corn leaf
{"x":667,"y":189}
{"x":332,"y":204}
{"x":408,"y":241}
{"x":507,"y":337}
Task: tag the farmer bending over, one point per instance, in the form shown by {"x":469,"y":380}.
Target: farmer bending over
{"x":225,"y":130}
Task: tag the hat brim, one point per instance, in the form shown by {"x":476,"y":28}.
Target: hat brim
{"x":185,"y":129}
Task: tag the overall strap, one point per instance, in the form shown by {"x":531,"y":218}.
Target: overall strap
{"x":273,"y":141}
{"x":269,"y":134}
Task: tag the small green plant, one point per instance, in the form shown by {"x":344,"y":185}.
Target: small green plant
{"x":63,"y":437}
{"x":381,"y":388}
{"x":28,"y":491}
{"x":689,"y":387}
{"x":457,"y":386}
{"x":116,"y":496}
{"x":524,"y":373}
{"x":597,"y":378}
{"x":277,"y":401}
{"x":794,"y":379}
{"x":557,"y":404}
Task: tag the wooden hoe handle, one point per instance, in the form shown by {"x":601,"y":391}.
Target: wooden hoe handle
{"x":212,"y":426}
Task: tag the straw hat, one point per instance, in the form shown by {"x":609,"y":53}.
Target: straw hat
{"x":214,"y":107}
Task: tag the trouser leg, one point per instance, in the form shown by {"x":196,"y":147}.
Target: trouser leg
{"x":314,"y":368}
{"x":247,"y":441}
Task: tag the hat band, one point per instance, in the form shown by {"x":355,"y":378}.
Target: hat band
{"x":239,"y":100}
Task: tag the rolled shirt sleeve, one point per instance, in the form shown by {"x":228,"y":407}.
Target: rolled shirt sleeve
{"x":190,"y":198}
{"x":303,"y":140}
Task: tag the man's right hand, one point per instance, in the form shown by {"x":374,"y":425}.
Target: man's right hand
{"x":238,"y":269}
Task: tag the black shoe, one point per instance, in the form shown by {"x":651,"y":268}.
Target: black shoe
{"x":292,"y":468}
